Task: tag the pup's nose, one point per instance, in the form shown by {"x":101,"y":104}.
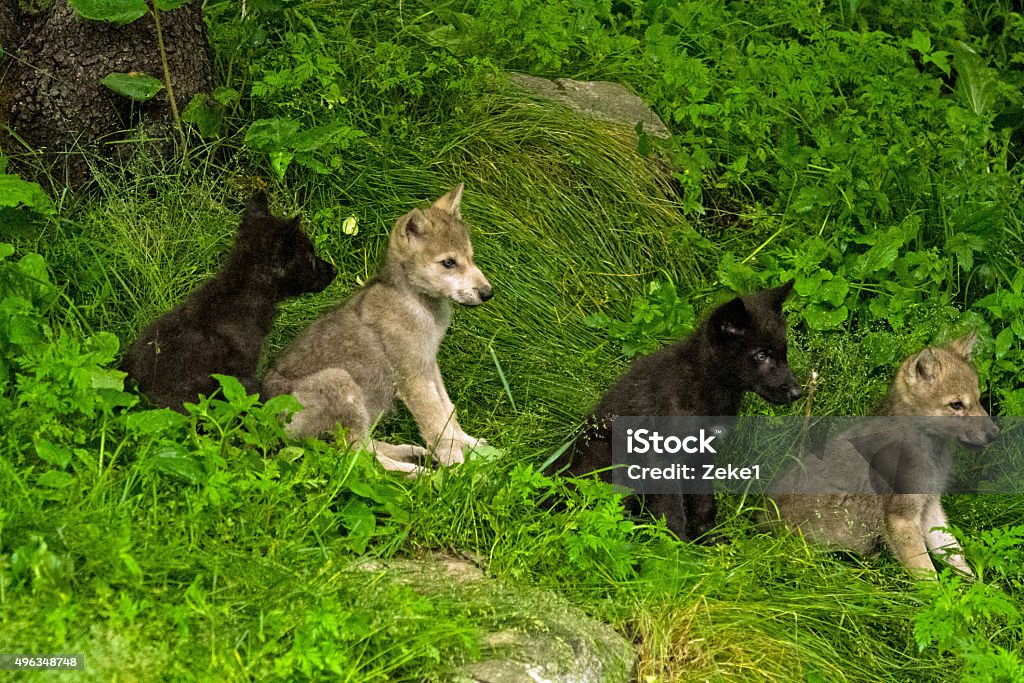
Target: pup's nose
{"x":485,"y":293}
{"x":794,"y":393}
{"x":992,"y":433}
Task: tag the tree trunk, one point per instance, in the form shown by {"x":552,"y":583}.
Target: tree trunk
{"x":50,"y":87}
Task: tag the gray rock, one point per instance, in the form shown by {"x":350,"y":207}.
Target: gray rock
{"x":601,"y":100}
{"x":533,"y":636}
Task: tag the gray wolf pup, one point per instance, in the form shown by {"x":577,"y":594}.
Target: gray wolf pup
{"x":220,"y":328}
{"x":741,"y":347}
{"x":350,"y":365}
{"x":888,"y":487}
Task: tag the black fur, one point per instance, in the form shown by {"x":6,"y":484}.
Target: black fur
{"x":704,"y":374}
{"x":220,"y":328}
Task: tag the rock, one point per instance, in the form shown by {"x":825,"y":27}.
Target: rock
{"x":533,"y":636}
{"x":601,"y":100}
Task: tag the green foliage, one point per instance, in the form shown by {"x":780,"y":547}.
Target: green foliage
{"x":284,"y":141}
{"x":961,"y":617}
{"x":17,"y":193}
{"x":869,"y":150}
{"x":659,"y":317}
{"x":112,"y":11}
{"x":138,"y":87}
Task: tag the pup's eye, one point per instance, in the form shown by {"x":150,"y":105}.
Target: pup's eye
{"x":761,"y":356}
{"x":956,"y":405}
{"x":448,"y":263}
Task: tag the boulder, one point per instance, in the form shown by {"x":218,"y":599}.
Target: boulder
{"x":601,"y":100}
{"x":531,"y":635}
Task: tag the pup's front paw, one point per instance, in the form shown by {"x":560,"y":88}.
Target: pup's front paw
{"x":471,"y":442}
{"x":448,"y":451}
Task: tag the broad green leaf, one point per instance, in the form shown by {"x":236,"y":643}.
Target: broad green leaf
{"x":111,"y":11}
{"x":17,"y":192}
{"x":167,"y":5}
{"x":1004,"y":340}
{"x":920,"y":41}
{"x":820,"y":318}
{"x":155,"y":422}
{"x":55,"y":479}
{"x":52,"y":453}
{"x":232,"y":389}
{"x":177,"y":463}
{"x":137,"y":86}
{"x":6,"y":250}
{"x":280,"y":161}
{"x":105,"y":378}
{"x":360,"y":521}
{"x":206,"y":117}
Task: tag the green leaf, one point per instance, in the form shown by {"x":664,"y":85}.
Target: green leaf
{"x":55,"y":479}
{"x":226,"y":96}
{"x":820,"y":318}
{"x":360,"y":521}
{"x":16,"y":192}
{"x":155,"y":422}
{"x":167,"y":5}
{"x":52,"y":453}
{"x":111,"y":11}
{"x":232,"y":389}
{"x":137,"y":86}
{"x":177,"y":463}
{"x":1003,"y":342}
{"x":920,"y":41}
{"x":205,"y":117}
{"x":280,"y":161}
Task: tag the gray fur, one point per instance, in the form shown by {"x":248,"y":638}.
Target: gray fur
{"x":350,"y":365}
{"x":904,"y":509}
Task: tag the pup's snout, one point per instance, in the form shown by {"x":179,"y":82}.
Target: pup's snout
{"x":991,"y":432}
{"x":485,"y":293}
{"x":795,"y":393}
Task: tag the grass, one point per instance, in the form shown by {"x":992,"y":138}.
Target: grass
{"x":246,"y":571}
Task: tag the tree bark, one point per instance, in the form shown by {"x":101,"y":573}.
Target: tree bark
{"x":50,"y":85}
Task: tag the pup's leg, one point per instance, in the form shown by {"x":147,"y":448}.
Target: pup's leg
{"x":455,"y":430}
{"x":438,"y":426}
{"x":904,"y":535}
{"x":942,"y":543}
{"x":330,"y":397}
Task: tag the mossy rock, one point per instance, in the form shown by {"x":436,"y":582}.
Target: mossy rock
{"x":529,"y":634}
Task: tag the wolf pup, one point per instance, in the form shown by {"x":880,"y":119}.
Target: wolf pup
{"x":740,"y":347}
{"x":350,"y":365}
{"x":894,"y":496}
{"x":220,"y":328}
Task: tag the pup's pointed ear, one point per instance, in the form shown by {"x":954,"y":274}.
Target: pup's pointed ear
{"x":923,"y":367}
{"x":450,"y":202}
{"x":414,"y":225}
{"x":779,"y":294}
{"x":257,"y":206}
{"x":730,"y":320}
{"x":964,"y":346}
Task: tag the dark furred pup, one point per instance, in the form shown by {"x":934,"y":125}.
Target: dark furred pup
{"x":740,"y":347}
{"x":221,"y":326}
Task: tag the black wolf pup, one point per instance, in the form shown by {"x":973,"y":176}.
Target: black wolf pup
{"x":740,"y":347}
{"x":220,"y":328}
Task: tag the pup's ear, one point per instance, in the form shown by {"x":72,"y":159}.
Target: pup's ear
{"x":964,"y":345}
{"x":415,"y":225}
{"x":257,"y":206}
{"x":778,"y":295}
{"x":730,"y":321}
{"x":450,"y":202}
{"x":923,"y":367}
